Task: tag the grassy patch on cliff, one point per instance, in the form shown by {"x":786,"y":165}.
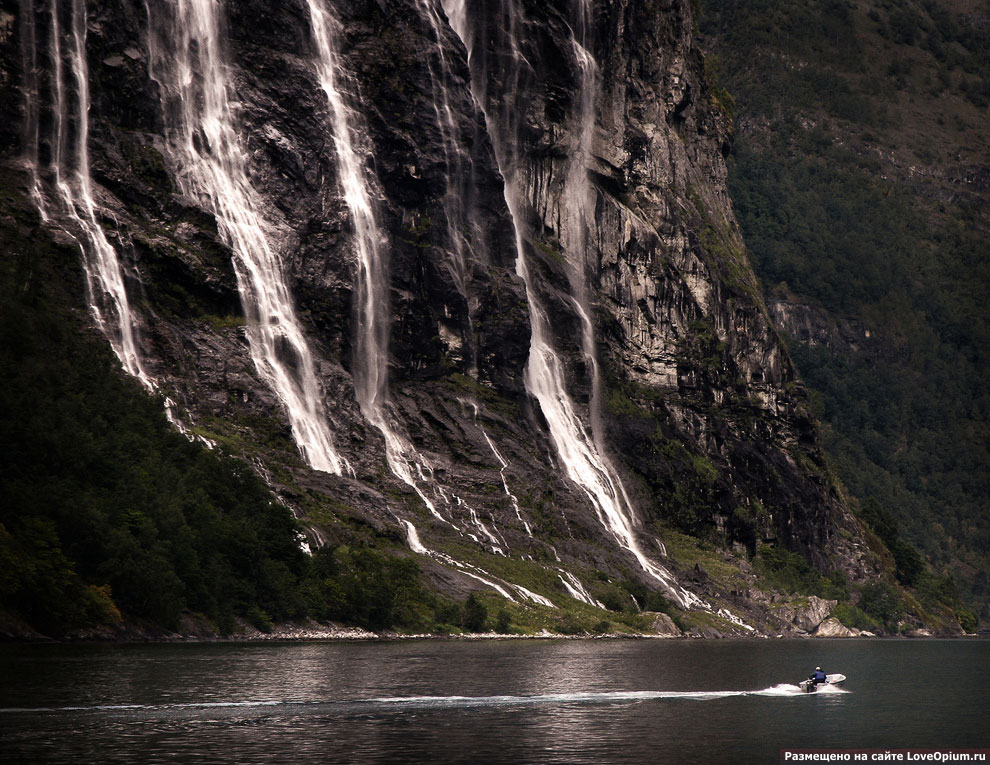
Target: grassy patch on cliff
{"x":689,"y":552}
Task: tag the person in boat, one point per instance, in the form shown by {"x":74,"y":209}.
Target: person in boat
{"x":818,"y":676}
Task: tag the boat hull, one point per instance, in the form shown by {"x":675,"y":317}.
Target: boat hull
{"x":810,"y":686}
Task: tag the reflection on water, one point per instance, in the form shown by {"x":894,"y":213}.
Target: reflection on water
{"x":532,"y":701}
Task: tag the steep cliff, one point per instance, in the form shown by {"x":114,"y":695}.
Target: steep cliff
{"x":458,"y":278}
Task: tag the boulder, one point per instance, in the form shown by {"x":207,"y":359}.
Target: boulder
{"x":812,"y":615}
{"x":832,"y":627}
{"x":664,"y":626}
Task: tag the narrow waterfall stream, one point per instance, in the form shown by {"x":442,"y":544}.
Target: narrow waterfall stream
{"x":371,"y":357}
{"x":458,"y":161}
{"x":63,"y":187}
{"x":211,"y":165}
{"x":583,"y":460}
{"x":457,"y":202}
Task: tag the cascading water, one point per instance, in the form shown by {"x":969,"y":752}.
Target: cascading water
{"x":576,"y":209}
{"x":371,"y":362}
{"x":456,"y":208}
{"x":501,"y":587}
{"x":212,"y":166}
{"x":577,"y":590}
{"x":371,"y":357}
{"x":63,"y":187}
{"x":371,"y":367}
{"x":503,"y":464}
{"x":32,"y":104}
{"x":581,"y":456}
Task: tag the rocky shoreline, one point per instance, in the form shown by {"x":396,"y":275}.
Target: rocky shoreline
{"x":328,"y":632}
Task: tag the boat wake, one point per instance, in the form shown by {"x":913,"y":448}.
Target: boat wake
{"x":437,"y":702}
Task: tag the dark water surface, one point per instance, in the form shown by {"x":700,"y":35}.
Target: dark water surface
{"x":594,"y":701}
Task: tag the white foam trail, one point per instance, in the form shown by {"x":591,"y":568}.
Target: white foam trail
{"x":211,"y":165}
{"x":784,"y":690}
{"x":604,"y":697}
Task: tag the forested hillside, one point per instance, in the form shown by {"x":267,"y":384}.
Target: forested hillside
{"x":860,"y":178}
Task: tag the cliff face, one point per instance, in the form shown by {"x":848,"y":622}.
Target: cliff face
{"x":509,"y":304}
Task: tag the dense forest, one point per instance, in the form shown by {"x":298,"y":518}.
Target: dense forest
{"x":860,"y":179}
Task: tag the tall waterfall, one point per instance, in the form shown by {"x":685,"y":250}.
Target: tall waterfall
{"x":583,"y":459}
{"x":62,"y":186}
{"x":457,"y":202}
{"x":212,"y":166}
{"x":371,"y":357}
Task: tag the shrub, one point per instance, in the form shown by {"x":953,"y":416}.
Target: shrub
{"x":967,"y":620}
{"x":881,"y":602}
{"x":475,"y":614}
{"x":854,"y":617}
{"x":503,"y":622}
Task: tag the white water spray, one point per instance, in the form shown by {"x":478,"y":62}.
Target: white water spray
{"x":212,"y":167}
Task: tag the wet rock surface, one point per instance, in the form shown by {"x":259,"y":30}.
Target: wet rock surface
{"x":702,"y":415}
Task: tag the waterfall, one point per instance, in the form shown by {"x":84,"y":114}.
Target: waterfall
{"x":32,"y":104}
{"x":577,"y":590}
{"x":371,"y":362}
{"x":211,"y":165}
{"x":503,"y":464}
{"x":500,"y":586}
{"x":372,"y":288}
{"x":457,"y":159}
{"x":63,"y":188}
{"x":576,"y":211}
{"x":457,"y":203}
{"x":581,"y":454}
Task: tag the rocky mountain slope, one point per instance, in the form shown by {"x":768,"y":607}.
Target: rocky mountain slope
{"x":460,"y":280}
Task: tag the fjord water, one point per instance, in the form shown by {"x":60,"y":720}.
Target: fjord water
{"x":486,"y":701}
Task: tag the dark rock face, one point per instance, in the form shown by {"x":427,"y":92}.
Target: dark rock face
{"x":698,"y":405}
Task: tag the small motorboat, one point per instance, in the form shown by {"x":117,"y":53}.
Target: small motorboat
{"x":810,"y":686}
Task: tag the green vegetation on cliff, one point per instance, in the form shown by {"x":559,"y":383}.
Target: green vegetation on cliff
{"x":860,"y":182}
{"x":108,"y":513}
